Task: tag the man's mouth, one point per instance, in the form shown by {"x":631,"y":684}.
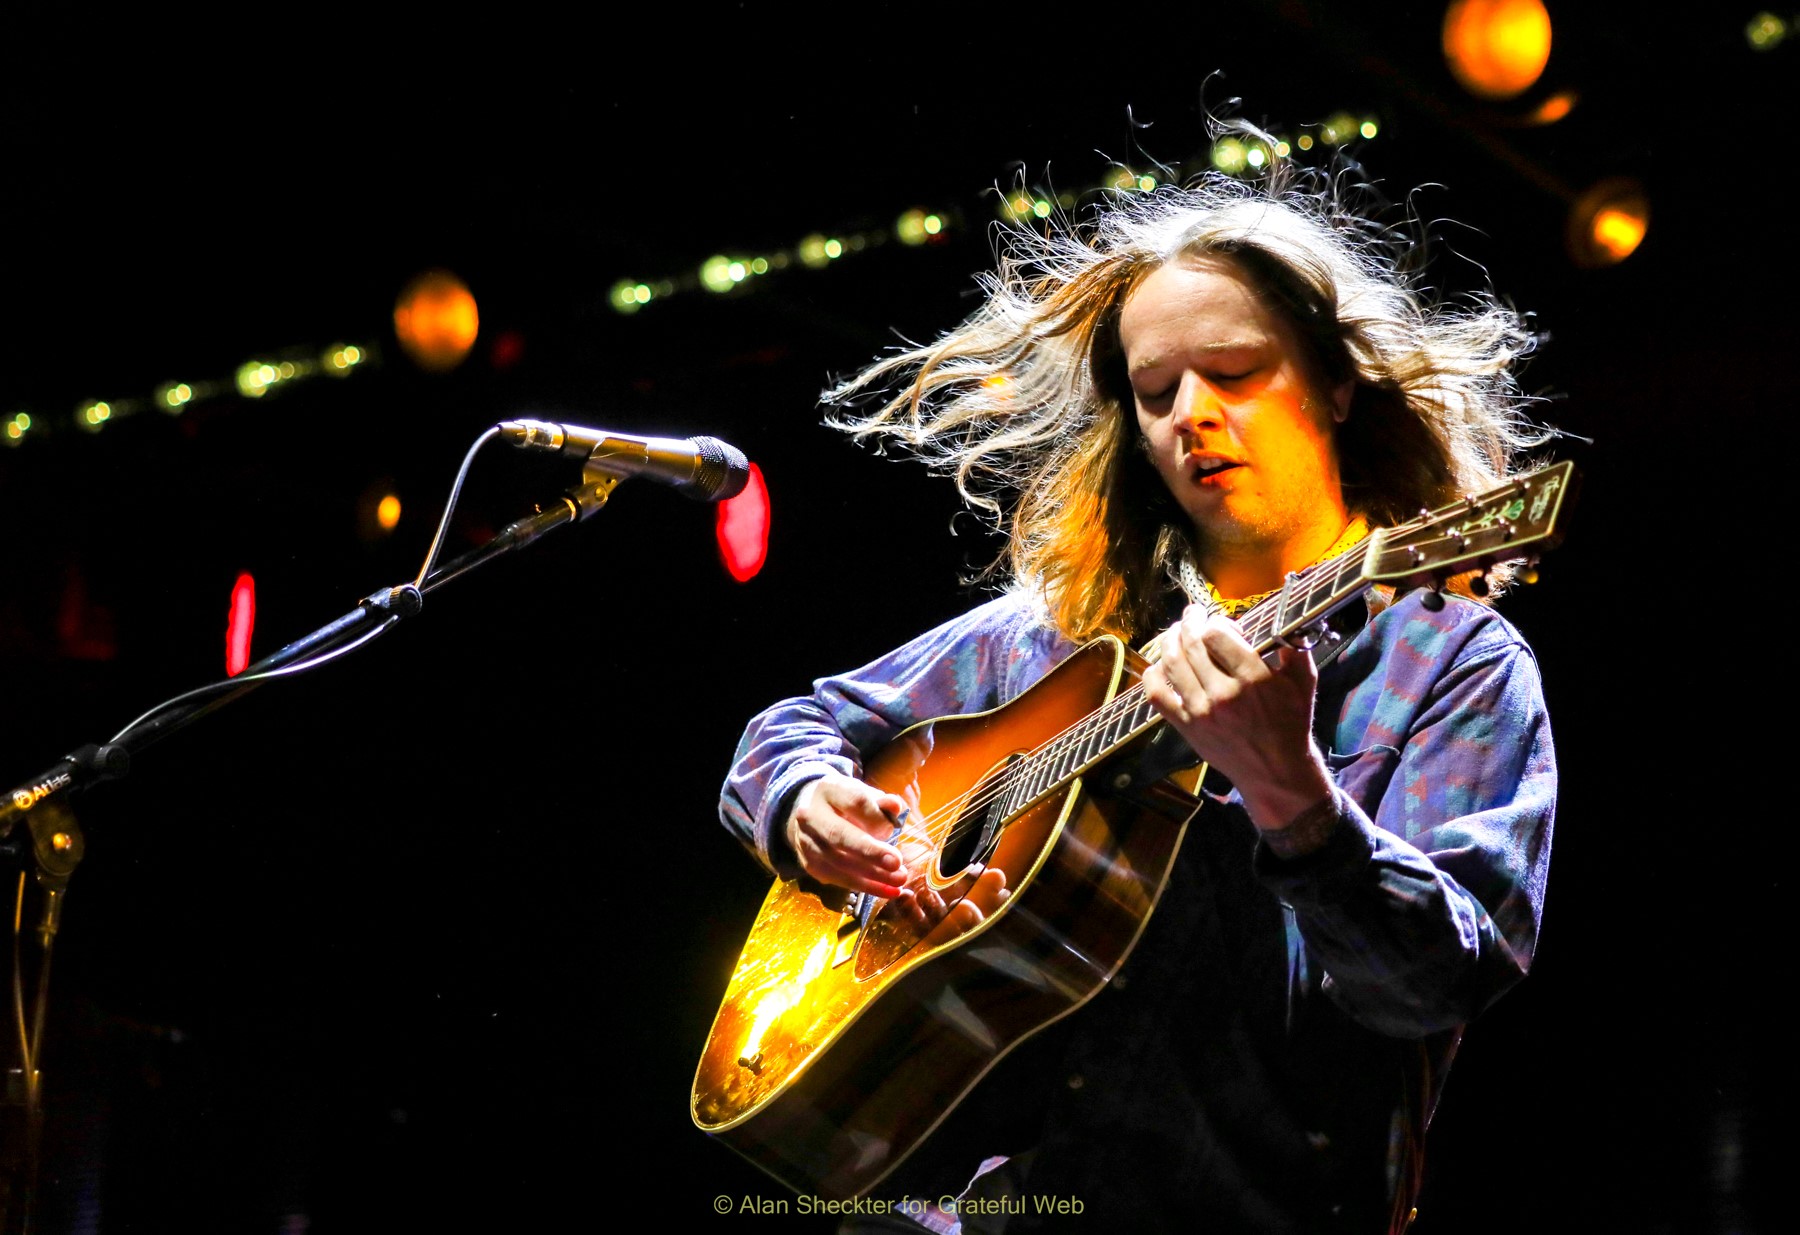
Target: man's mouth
{"x":1207,"y":469}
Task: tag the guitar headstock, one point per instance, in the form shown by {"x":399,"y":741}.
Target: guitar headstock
{"x":1515,"y":520}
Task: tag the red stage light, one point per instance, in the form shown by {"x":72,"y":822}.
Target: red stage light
{"x":240,"y":624}
{"x":743,"y":529}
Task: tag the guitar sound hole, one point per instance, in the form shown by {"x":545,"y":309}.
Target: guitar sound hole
{"x":899,"y":926}
{"x":971,"y":839}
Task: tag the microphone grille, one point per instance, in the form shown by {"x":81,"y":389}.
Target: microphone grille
{"x":724,"y":471}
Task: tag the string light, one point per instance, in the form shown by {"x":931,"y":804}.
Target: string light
{"x":812,"y":252}
{"x":1765,"y":31}
{"x":915,"y":227}
{"x":253,"y":379}
{"x":723,"y":273}
{"x":1339,"y":128}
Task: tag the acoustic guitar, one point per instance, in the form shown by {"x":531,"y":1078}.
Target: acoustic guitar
{"x":851,"y":1027}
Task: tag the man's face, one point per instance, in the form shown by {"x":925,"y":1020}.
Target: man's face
{"x":1232,"y":419}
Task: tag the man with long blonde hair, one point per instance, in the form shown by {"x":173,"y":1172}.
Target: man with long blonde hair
{"x":1173,"y":408}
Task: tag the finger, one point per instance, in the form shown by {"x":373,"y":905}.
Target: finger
{"x":964,"y":918}
{"x":908,"y":901}
{"x":1229,"y":652}
{"x":1163,"y":696}
{"x":1179,"y":670}
{"x":873,"y":811}
{"x":931,"y":904}
{"x":835,"y":850}
{"x":827,"y":869}
{"x":990,"y":890}
{"x":851,"y":840}
{"x":1297,"y":666}
{"x":961,"y":919}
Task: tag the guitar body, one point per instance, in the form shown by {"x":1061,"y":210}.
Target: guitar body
{"x":846,"y":1035}
{"x":844,"y":1038}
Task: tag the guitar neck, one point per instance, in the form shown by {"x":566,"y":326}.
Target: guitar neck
{"x":1307,"y":599}
{"x":1471,"y":534}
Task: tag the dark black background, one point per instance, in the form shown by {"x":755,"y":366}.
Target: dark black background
{"x":432,"y":937}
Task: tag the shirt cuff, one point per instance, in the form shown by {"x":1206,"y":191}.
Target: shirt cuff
{"x":1329,"y":873}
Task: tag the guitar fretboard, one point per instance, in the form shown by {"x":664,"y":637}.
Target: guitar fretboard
{"x":1470,"y":534}
{"x":1308,"y":597}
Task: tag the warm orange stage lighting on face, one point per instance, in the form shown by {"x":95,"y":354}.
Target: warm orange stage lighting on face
{"x":436,"y":321}
{"x":1497,"y":48}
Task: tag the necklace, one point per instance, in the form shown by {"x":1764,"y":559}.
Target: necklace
{"x":1200,"y":590}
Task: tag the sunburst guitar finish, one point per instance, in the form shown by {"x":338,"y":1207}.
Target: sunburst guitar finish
{"x":846,"y":1034}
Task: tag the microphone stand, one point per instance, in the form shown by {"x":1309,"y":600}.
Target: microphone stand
{"x":56,"y":843}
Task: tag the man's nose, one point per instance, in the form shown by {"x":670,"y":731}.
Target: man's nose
{"x":1197,"y":406}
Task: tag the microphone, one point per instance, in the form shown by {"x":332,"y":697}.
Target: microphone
{"x":703,"y":468}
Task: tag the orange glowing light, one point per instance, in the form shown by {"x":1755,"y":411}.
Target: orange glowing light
{"x":1554,"y":108}
{"x":1608,"y":222}
{"x":742,"y":527}
{"x":387,"y":513}
{"x":436,"y":321}
{"x":239,"y":625}
{"x":1497,"y":48}
{"x":1618,"y":232}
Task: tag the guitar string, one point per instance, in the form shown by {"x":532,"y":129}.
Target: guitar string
{"x":941,"y":825}
{"x":1045,"y":757}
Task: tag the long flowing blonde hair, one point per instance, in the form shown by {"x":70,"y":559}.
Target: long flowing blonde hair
{"x":1027,"y":406}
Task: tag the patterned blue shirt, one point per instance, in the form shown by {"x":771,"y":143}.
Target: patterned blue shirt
{"x":1277,"y":1044}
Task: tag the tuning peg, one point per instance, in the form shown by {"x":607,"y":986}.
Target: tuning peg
{"x":1480,"y":586}
{"x":1432,"y":599}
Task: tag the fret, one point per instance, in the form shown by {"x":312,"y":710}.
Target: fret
{"x":1013,"y":797}
{"x":1093,"y":741}
{"x":1073,"y":746}
{"x":1119,"y":726}
{"x":1323,"y":593}
{"x":1034,"y":781}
